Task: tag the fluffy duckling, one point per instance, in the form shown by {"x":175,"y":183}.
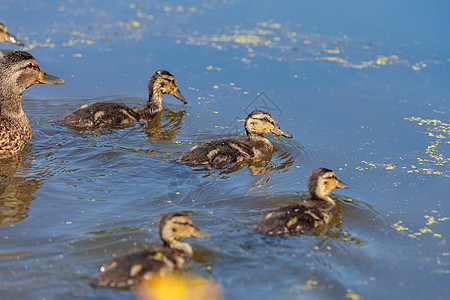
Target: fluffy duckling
{"x":307,"y":214}
{"x":126,"y":270}
{"x":220,"y":152}
{"x":18,"y":71}
{"x":110,"y":113}
{"x":7,"y":37}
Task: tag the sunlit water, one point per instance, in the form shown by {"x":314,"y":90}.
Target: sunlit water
{"x":370,"y":102}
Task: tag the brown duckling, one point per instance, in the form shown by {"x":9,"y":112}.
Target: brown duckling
{"x":306,"y":214}
{"x":18,"y":71}
{"x":7,"y":37}
{"x":111,"y":113}
{"x":220,"y":152}
{"x":127,"y":270}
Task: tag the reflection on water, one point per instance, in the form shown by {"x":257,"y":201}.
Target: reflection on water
{"x":348,"y":214}
{"x":16,"y":192}
{"x":187,"y":187}
{"x":165,"y":126}
{"x":347,"y":210}
{"x":278,"y":161}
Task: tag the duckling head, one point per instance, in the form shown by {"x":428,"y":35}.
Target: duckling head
{"x":162,"y":82}
{"x":259,"y":122}
{"x":322,"y":181}
{"x":19,"y":70}
{"x":7,"y":37}
{"x":175,"y":226}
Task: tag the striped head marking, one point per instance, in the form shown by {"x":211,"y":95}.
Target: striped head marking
{"x":259,"y":122}
{"x":322,"y":181}
{"x":175,"y":226}
{"x":167,"y":84}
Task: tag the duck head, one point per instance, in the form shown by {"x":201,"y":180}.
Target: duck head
{"x":322,"y":181}
{"x":259,"y":122}
{"x":175,"y":226}
{"x":162,"y":82}
{"x":19,"y":70}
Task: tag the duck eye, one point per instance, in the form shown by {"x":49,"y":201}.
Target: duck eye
{"x":30,"y":66}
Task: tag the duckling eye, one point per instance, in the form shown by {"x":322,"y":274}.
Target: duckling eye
{"x":265,"y":119}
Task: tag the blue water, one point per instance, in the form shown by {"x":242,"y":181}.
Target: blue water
{"x":362,"y":86}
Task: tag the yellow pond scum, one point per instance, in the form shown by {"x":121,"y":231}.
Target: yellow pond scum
{"x":272,"y":35}
{"x":34,"y":44}
{"x":352,"y":295}
{"x":430,"y":221}
{"x":179,"y":287}
{"x":434,"y":156}
{"x":333,"y":51}
{"x":439,"y":133}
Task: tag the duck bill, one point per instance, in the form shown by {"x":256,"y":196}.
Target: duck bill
{"x":201,"y":234}
{"x":342,"y":185}
{"x":49,"y":79}
{"x":179,"y":96}
{"x":278,"y":130}
{"x":13,"y":40}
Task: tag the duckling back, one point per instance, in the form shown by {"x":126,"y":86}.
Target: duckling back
{"x":296,"y":217}
{"x":126,"y":270}
{"x":100,"y":114}
{"x":221,"y":152}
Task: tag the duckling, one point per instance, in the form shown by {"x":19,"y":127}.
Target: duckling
{"x":18,"y":71}
{"x":307,"y":214}
{"x":127,"y":270}
{"x":110,"y":113}
{"x":7,"y":37}
{"x":221,"y":152}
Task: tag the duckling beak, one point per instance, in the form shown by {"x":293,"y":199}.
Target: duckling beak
{"x":278,"y":130}
{"x":13,"y":40}
{"x":49,"y":79}
{"x":201,"y":234}
{"x":342,"y":185}
{"x":179,"y":96}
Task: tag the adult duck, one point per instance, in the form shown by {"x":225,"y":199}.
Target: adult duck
{"x":18,"y":71}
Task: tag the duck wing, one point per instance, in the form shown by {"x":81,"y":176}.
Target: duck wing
{"x":126,"y":270}
{"x":294,"y":218}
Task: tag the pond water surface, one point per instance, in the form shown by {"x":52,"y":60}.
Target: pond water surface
{"x":363,"y":87}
